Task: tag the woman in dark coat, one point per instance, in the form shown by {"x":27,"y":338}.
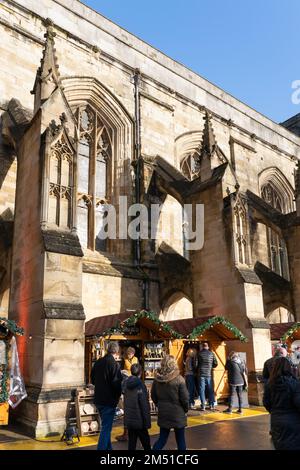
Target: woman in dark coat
{"x":282,"y":400}
{"x":170,"y":395}
{"x":237,"y":380}
{"x":137,"y":418}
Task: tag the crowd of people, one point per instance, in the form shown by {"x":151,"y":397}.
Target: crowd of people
{"x":282,"y":397}
{"x":174,"y":395}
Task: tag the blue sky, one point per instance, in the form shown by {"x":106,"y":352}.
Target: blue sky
{"x":250,"y":48}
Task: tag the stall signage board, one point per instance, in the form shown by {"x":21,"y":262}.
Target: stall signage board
{"x":133,"y":330}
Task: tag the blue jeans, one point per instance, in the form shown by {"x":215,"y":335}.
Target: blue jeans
{"x":107,"y":414}
{"x":163,"y":437}
{"x":190,"y":383}
{"x":203,"y":383}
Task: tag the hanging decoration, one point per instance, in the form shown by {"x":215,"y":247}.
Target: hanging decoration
{"x":17,"y":391}
{"x":8,"y":329}
{"x":199,"y":330}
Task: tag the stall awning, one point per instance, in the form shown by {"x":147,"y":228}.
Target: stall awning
{"x":277,"y":330}
{"x":285,"y":331}
{"x":192,"y":328}
{"x":114,"y":324}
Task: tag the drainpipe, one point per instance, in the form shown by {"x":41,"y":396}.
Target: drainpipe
{"x":138,"y":176}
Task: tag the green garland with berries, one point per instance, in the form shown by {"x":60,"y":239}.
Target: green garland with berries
{"x":133,"y":319}
{"x":199,"y":330}
{"x":11,"y":326}
{"x":290,"y":331}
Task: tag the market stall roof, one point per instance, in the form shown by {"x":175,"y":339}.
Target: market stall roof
{"x":192,"y":328}
{"x":9,"y":326}
{"x":114,"y":324}
{"x":292,"y":332}
{"x":277,"y":330}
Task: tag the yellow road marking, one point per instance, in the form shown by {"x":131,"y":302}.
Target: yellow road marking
{"x":53,"y":444}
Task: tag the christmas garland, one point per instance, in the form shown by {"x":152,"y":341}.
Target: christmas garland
{"x":290,"y":331}
{"x":11,"y":326}
{"x":199,"y":330}
{"x":133,"y":319}
{"x":4,"y":375}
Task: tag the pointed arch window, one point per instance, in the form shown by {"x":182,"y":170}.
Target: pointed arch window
{"x":94,"y":161}
{"x":278,"y":255}
{"x":60,"y":182}
{"x":272,"y":197}
{"x":241,"y":233}
{"x":189,"y":166}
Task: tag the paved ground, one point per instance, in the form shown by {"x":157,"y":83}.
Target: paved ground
{"x":235,"y":434}
{"x":206,"y":430}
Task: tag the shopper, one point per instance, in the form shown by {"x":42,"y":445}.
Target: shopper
{"x":190,"y":369}
{"x":128,"y":360}
{"x":137,"y":418}
{"x":282,"y":400}
{"x":295,"y":358}
{"x":207,"y":361}
{"x":170,"y":395}
{"x":279,"y":351}
{"x":237,"y":379}
{"x":107,"y":378}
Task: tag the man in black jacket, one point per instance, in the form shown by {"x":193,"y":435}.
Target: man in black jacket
{"x":107,"y":378}
{"x":206,"y":362}
{"x":268,"y":365}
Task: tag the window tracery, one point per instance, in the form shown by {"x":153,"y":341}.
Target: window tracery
{"x":94,"y":177}
{"x":60,"y":183}
{"x":278,"y":256}
{"x":190,"y":167}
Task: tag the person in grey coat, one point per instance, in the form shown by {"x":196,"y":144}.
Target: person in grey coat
{"x":137,"y":418}
{"x":170,"y":395}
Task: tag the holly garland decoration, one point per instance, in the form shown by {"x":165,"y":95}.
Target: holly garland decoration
{"x":199,"y":330}
{"x":11,"y":326}
{"x":133,"y":319}
{"x":290,"y":331}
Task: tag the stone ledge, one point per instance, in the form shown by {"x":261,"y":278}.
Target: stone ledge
{"x":38,"y":395}
{"x":113,"y":270}
{"x":63,"y":311}
{"x":259,"y":323}
{"x":66,"y":243}
{"x":249,"y":276}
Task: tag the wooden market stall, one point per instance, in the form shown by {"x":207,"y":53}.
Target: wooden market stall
{"x":285,"y":333}
{"x":215,"y":331}
{"x":150,"y":337}
{"x":8,"y":329}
